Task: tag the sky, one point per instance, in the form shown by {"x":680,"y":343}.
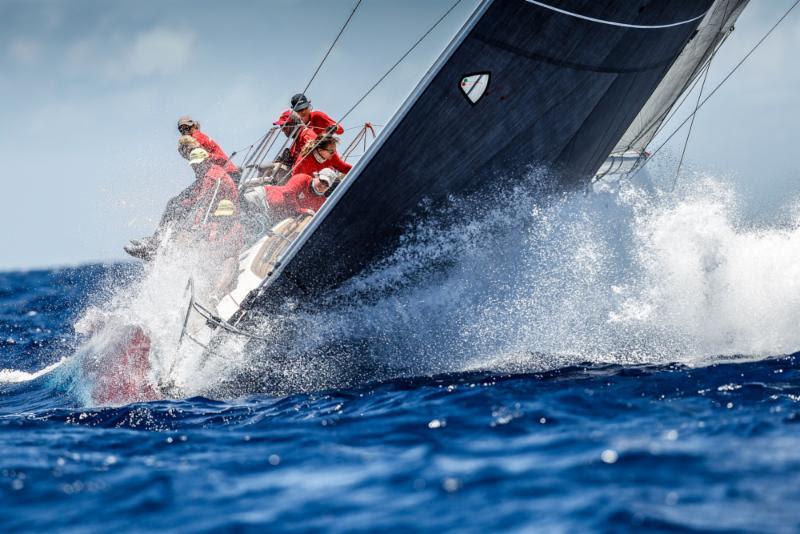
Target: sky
{"x":91,"y":91}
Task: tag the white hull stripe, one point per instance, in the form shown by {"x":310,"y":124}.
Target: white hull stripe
{"x":611,"y":22}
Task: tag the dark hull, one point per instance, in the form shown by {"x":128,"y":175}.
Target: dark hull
{"x":563,"y":90}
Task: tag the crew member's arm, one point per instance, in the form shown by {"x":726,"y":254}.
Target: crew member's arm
{"x":324,"y":121}
{"x":339,"y":164}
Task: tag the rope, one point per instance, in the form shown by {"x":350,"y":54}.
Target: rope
{"x":341,"y":31}
{"x":262,"y":153}
{"x":691,"y":125}
{"x":400,"y":61}
{"x":362,"y":136}
{"x":719,"y":85}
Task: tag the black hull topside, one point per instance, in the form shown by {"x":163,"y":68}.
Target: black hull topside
{"x":567,"y":78}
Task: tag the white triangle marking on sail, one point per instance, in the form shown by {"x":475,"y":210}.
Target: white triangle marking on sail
{"x":474,"y":85}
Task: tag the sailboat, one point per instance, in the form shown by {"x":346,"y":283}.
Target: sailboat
{"x":574,"y":86}
{"x":579,"y":87}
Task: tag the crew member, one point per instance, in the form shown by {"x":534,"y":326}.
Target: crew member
{"x":302,"y":194}
{"x":209,"y":208}
{"x":293,"y":128}
{"x":215,"y":205}
{"x":318,"y":121}
{"x":320,"y":154}
{"x":188,"y":126}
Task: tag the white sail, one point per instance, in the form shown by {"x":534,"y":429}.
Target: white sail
{"x":716,"y":25}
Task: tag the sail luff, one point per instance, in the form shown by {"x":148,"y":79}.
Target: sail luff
{"x":715,"y":27}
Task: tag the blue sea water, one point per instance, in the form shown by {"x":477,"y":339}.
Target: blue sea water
{"x":593,"y":447}
{"x":594,"y":385}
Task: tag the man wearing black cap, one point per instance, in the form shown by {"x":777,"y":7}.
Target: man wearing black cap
{"x":318,"y":121}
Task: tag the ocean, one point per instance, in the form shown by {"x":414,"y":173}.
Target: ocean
{"x":540,"y":369}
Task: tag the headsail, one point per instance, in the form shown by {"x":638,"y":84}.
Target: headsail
{"x":716,"y":25}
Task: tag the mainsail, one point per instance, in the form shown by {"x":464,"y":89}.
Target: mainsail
{"x":712,"y":31}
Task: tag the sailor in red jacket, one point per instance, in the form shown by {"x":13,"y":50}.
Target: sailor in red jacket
{"x":319,"y":154}
{"x":302,"y":194}
{"x":318,"y":121}
{"x":294,"y":129}
{"x":209,"y":209}
{"x":188,"y":126}
{"x":215,"y":205}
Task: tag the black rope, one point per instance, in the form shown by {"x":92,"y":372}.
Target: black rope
{"x":691,"y":125}
{"x":400,"y":61}
{"x":358,"y":3}
{"x":719,"y":85}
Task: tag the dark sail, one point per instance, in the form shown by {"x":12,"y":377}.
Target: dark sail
{"x":525,"y":82}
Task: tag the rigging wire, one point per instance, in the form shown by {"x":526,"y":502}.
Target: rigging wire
{"x":365,"y":95}
{"x":718,"y":86}
{"x":386,"y":74}
{"x":691,"y":125}
{"x":330,"y":49}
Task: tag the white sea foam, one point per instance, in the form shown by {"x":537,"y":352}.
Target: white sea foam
{"x":617,"y":276}
{"x":15,"y":376}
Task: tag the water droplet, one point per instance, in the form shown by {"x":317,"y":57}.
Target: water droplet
{"x":451,"y":484}
{"x":609,"y":456}
{"x":274,"y":459}
{"x":671,"y":435}
{"x":436,"y":423}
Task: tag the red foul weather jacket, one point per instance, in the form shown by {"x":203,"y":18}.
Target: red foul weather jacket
{"x":294,"y":197}
{"x":310,"y":164}
{"x":320,"y":122}
{"x":218,"y":155}
{"x":216,"y":210}
{"x":303,"y":136}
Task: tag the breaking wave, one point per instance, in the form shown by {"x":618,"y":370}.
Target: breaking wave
{"x":512,"y":283}
{"x":17,"y":376}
